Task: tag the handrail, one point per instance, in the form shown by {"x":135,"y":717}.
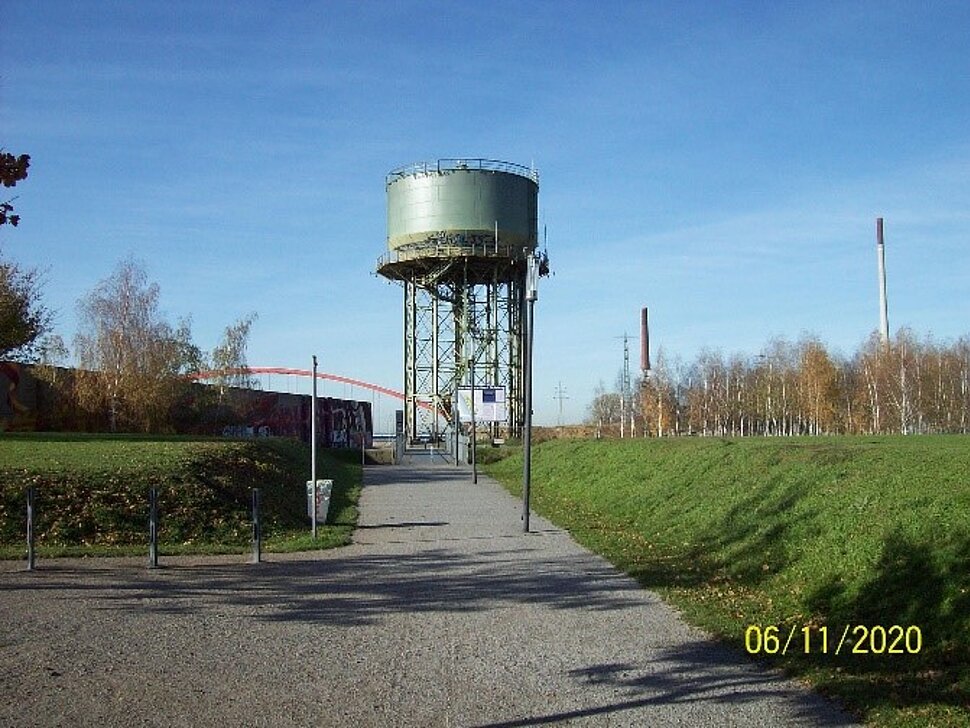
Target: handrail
{"x":454,"y":164}
{"x":481,"y":250}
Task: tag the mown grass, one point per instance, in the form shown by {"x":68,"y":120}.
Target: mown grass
{"x":790,"y":532}
{"x":92,"y":494}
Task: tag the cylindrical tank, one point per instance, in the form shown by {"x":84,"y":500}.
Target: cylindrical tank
{"x":462,"y":203}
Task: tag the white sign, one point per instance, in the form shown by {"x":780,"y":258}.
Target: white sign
{"x":489,"y":404}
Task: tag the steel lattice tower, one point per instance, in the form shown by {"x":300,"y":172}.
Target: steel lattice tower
{"x":458,"y":236}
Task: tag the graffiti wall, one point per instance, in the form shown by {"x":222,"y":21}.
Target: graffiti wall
{"x":29,"y":403}
{"x":340,"y":422}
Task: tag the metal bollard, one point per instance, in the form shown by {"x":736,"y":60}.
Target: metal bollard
{"x":257,"y":529}
{"x":31,"y":494}
{"x":153,"y":528}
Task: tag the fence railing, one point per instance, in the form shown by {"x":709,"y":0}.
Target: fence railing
{"x":451,"y":250}
{"x":454,"y":164}
{"x":256,"y":541}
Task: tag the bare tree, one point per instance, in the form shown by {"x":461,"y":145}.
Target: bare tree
{"x":961,"y":384}
{"x":658,"y":399}
{"x":604,"y":410}
{"x":229,"y":357}
{"x":51,"y":355}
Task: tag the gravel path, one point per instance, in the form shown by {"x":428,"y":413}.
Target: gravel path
{"x":441,"y":614}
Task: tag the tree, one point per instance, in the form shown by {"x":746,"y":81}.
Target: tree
{"x":23,"y":318}
{"x":707,"y":406}
{"x":13,"y":169}
{"x":658,"y":399}
{"x":51,"y":355}
{"x":903,"y":359}
{"x":189,"y":358}
{"x":892,"y":374}
{"x":604,"y":409}
{"x":817,"y":387}
{"x":908,"y":385}
{"x":229,"y":357}
{"x":131,"y":359}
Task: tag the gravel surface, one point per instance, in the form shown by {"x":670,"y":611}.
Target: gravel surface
{"x":441,"y":614}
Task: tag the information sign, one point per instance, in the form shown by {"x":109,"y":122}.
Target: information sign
{"x":490,"y":405}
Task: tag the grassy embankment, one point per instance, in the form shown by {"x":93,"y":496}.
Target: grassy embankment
{"x":92,"y":494}
{"x":793,"y":533}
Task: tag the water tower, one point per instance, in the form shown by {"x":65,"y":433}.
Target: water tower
{"x":459,"y":232}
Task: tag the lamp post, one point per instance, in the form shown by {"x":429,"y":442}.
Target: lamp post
{"x":457,"y":421}
{"x":471,"y":367}
{"x":531,"y":294}
{"x":313,"y":452}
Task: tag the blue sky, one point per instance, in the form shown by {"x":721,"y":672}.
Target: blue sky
{"x":721,"y":163}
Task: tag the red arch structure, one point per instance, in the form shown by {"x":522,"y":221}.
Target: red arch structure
{"x":213,"y":374}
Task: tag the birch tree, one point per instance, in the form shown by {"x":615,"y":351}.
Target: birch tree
{"x":818,"y":388}
{"x":229,"y":357}
{"x":130,"y":358}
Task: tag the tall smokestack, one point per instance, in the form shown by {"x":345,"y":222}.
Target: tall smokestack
{"x":644,"y":342}
{"x":883,"y":305}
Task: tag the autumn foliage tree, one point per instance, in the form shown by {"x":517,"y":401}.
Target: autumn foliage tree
{"x":658,"y":400}
{"x":906,"y":385}
{"x":131,"y":360}
{"x":817,"y":388}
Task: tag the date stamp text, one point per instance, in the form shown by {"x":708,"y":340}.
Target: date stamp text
{"x":853,"y":639}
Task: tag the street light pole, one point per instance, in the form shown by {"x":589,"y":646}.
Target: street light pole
{"x":313,"y":452}
{"x":457,"y":420}
{"x":471,"y":366}
{"x":531,"y":294}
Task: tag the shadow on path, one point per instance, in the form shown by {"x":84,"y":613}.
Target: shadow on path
{"x":351,"y":589}
{"x":694,"y":672}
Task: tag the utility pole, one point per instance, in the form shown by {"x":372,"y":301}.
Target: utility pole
{"x":628,"y":383}
{"x":560,"y":395}
{"x":626,"y":379}
{"x":625,"y":393}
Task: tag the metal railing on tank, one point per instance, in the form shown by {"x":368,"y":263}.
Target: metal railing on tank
{"x":452,"y":165}
{"x":479,"y":249}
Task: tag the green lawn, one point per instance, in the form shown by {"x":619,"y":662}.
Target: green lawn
{"x":92,"y":494}
{"x":791,"y":533}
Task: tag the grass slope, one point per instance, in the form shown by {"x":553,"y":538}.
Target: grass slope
{"x":92,"y":494}
{"x":794,"y":532}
